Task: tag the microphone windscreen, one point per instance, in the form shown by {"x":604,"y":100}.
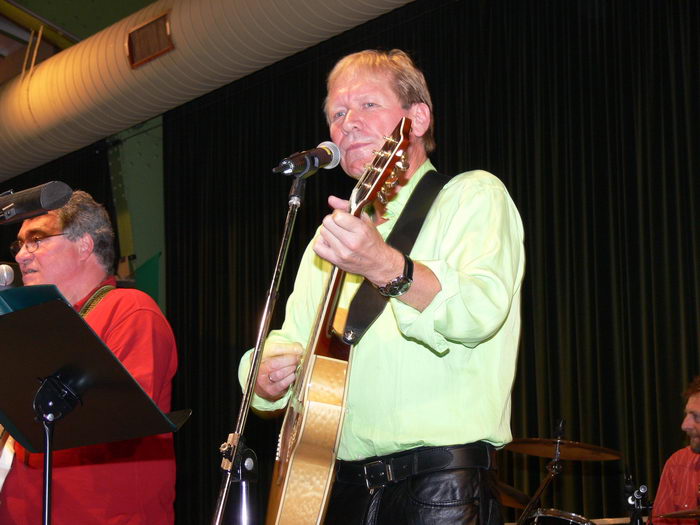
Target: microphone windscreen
{"x":25,"y":204}
{"x":7,"y":275}
{"x":334,"y":151}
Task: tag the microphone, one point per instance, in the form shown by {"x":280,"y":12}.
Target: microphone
{"x":7,"y":275}
{"x":35,"y":201}
{"x":305,"y":163}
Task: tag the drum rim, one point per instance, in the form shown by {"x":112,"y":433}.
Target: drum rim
{"x":562,"y":514}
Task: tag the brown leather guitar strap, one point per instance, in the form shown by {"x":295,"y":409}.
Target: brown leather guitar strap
{"x":368,"y":303}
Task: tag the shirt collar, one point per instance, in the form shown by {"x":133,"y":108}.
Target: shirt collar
{"x":111,"y":280}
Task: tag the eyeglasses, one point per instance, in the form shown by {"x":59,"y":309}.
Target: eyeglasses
{"x":31,"y":245}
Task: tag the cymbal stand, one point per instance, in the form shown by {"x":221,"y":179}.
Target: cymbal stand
{"x":553,"y":469}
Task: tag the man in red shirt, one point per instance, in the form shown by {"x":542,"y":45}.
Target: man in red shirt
{"x":129,"y":482}
{"x":679,"y":488}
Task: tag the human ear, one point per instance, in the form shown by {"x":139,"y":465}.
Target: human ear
{"x":86,"y":245}
{"x":419,"y":113}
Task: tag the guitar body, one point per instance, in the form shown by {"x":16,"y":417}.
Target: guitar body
{"x":300,"y":496}
{"x":310,"y":435}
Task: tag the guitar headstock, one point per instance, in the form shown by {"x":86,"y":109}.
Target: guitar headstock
{"x":380,"y":176}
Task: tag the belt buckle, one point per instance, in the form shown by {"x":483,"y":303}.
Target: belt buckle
{"x":377,"y":474}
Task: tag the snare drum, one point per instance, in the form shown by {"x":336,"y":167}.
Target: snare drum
{"x":556,"y":517}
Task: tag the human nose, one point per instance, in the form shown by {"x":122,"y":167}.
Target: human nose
{"x":688,"y":423}
{"x":350,"y":121}
{"x":23,"y":253}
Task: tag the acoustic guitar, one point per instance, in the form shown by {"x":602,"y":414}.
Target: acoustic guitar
{"x":308,"y":442}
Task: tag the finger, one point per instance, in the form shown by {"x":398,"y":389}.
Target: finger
{"x":283,"y":384}
{"x":338,"y":222}
{"x":273,"y":364}
{"x":275,"y":376}
{"x":273,"y":390}
{"x":329,"y":247}
{"x":273,"y":349}
{"x":338,"y":204}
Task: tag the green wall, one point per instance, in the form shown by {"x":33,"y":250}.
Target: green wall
{"x":136,"y":166}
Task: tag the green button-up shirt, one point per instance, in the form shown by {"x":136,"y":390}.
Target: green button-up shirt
{"x":442,"y":376}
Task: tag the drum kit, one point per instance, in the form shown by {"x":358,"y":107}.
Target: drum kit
{"x":558,"y":449}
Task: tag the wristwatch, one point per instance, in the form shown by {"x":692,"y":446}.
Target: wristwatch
{"x":399,"y":285}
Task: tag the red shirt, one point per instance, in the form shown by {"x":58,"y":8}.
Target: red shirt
{"x":678,"y":488}
{"x":125,"y":483}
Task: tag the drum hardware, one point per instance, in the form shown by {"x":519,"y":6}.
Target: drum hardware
{"x":637,"y":501}
{"x":510,"y":496}
{"x":682,"y":514}
{"x":553,"y":469}
{"x":556,"y":517}
{"x":558,"y":449}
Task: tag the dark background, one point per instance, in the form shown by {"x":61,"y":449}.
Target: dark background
{"x":589,"y":112}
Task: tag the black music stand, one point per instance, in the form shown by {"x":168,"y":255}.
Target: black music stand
{"x":54,"y":365}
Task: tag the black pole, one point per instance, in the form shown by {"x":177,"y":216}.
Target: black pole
{"x":48,"y":460}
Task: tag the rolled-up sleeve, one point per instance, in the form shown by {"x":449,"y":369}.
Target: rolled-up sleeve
{"x":473,"y":242}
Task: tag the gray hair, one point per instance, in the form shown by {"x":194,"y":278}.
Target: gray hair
{"x":83,"y":215}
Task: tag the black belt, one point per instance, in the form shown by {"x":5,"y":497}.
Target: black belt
{"x":379,"y":471}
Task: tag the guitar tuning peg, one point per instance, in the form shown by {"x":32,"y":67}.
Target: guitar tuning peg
{"x":402,"y":164}
{"x":390,"y":140}
{"x":382,"y":153}
{"x":387,"y":188}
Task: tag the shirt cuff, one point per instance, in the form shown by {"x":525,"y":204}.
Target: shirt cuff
{"x":422,"y":326}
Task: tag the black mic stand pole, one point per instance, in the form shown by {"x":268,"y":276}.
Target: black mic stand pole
{"x":53,"y":401}
{"x":239,"y":463}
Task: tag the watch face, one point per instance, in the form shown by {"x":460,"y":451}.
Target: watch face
{"x":398,"y":286}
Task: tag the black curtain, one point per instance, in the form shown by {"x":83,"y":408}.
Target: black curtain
{"x":588,"y":110}
{"x":86,"y":169}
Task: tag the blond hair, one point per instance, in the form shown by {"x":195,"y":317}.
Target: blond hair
{"x":408,"y":81}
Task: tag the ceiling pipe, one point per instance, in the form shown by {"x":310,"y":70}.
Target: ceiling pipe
{"x":90,"y":91}
{"x":25,"y":18}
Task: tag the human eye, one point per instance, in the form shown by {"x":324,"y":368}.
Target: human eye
{"x":338,"y":114}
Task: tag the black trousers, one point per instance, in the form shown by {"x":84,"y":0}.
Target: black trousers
{"x":442,"y":497}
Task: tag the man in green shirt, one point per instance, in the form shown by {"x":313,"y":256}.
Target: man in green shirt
{"x":430,"y":383}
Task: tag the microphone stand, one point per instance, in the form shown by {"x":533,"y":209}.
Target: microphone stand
{"x":239,"y":464}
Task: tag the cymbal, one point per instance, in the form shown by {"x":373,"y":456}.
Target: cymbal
{"x":681,"y":514}
{"x":575,"y":450}
{"x":510,"y":496}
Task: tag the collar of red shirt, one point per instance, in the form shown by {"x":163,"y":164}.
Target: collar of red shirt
{"x":111,"y":280}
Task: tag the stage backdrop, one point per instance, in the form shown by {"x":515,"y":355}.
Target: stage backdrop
{"x":589,"y":112}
